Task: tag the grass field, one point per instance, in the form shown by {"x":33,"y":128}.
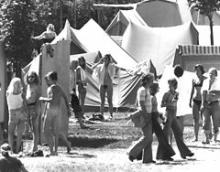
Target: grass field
{"x":101,"y":147}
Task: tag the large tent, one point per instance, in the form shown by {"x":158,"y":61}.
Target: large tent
{"x":121,"y":21}
{"x":93,"y":38}
{"x":154,"y":13}
{"x":162,"y":13}
{"x":157,"y":44}
{"x":126,"y":83}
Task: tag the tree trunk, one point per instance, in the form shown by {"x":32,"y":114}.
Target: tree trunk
{"x":211,"y":29}
{"x":61,"y":15}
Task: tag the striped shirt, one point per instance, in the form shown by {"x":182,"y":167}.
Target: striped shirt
{"x":144,"y":95}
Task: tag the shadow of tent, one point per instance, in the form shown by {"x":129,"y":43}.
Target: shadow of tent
{"x":89,"y":142}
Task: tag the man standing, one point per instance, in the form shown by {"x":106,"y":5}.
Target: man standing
{"x":210,"y":104}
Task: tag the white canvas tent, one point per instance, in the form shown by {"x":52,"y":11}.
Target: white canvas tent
{"x":125,"y":85}
{"x":154,"y":13}
{"x":121,"y":21}
{"x":159,"y":13}
{"x":91,"y":37}
{"x":158,"y":44}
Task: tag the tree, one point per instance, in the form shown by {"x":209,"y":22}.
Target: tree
{"x":16,"y":27}
{"x":206,"y":7}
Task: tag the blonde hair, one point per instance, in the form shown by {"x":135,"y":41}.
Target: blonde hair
{"x":50,"y":27}
{"x":14,"y":81}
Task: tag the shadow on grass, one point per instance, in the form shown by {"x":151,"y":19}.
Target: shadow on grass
{"x":176,"y":162}
{"x":90,"y":142}
{"x":79,"y":155}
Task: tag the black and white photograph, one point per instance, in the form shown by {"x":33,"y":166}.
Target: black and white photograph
{"x":109,"y":85}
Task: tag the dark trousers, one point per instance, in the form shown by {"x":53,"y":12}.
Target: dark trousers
{"x":76,"y":106}
{"x":164,"y":149}
{"x":172,"y":123}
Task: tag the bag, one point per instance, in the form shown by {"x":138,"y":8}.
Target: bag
{"x":138,"y":118}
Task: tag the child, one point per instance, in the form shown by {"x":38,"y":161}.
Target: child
{"x":15,"y":102}
{"x":169,"y":101}
{"x":164,"y":151}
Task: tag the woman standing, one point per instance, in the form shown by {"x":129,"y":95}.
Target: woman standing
{"x":196,"y":97}
{"x":15,"y":101}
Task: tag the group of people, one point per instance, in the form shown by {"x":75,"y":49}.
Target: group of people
{"x":149,"y":117}
{"x":25,"y":108}
{"x":204,"y":101}
{"x":104,"y":70}
{"x":25,"y":103}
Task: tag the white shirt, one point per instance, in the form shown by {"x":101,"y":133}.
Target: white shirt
{"x":14,"y":101}
{"x":101,"y":69}
{"x":72,"y":80}
{"x":144,"y":95}
{"x":82,"y":74}
{"x":215,"y":85}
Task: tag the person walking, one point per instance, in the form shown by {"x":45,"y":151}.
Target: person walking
{"x":166,"y":150}
{"x":195,"y":100}
{"x":144,"y":144}
{"x":169,"y":101}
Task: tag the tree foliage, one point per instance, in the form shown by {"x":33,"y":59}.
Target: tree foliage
{"x":206,"y":7}
{"x":16,"y":27}
{"x":20,"y":19}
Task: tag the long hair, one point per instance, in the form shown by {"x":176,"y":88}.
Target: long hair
{"x":35,"y":76}
{"x":13,"y":82}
